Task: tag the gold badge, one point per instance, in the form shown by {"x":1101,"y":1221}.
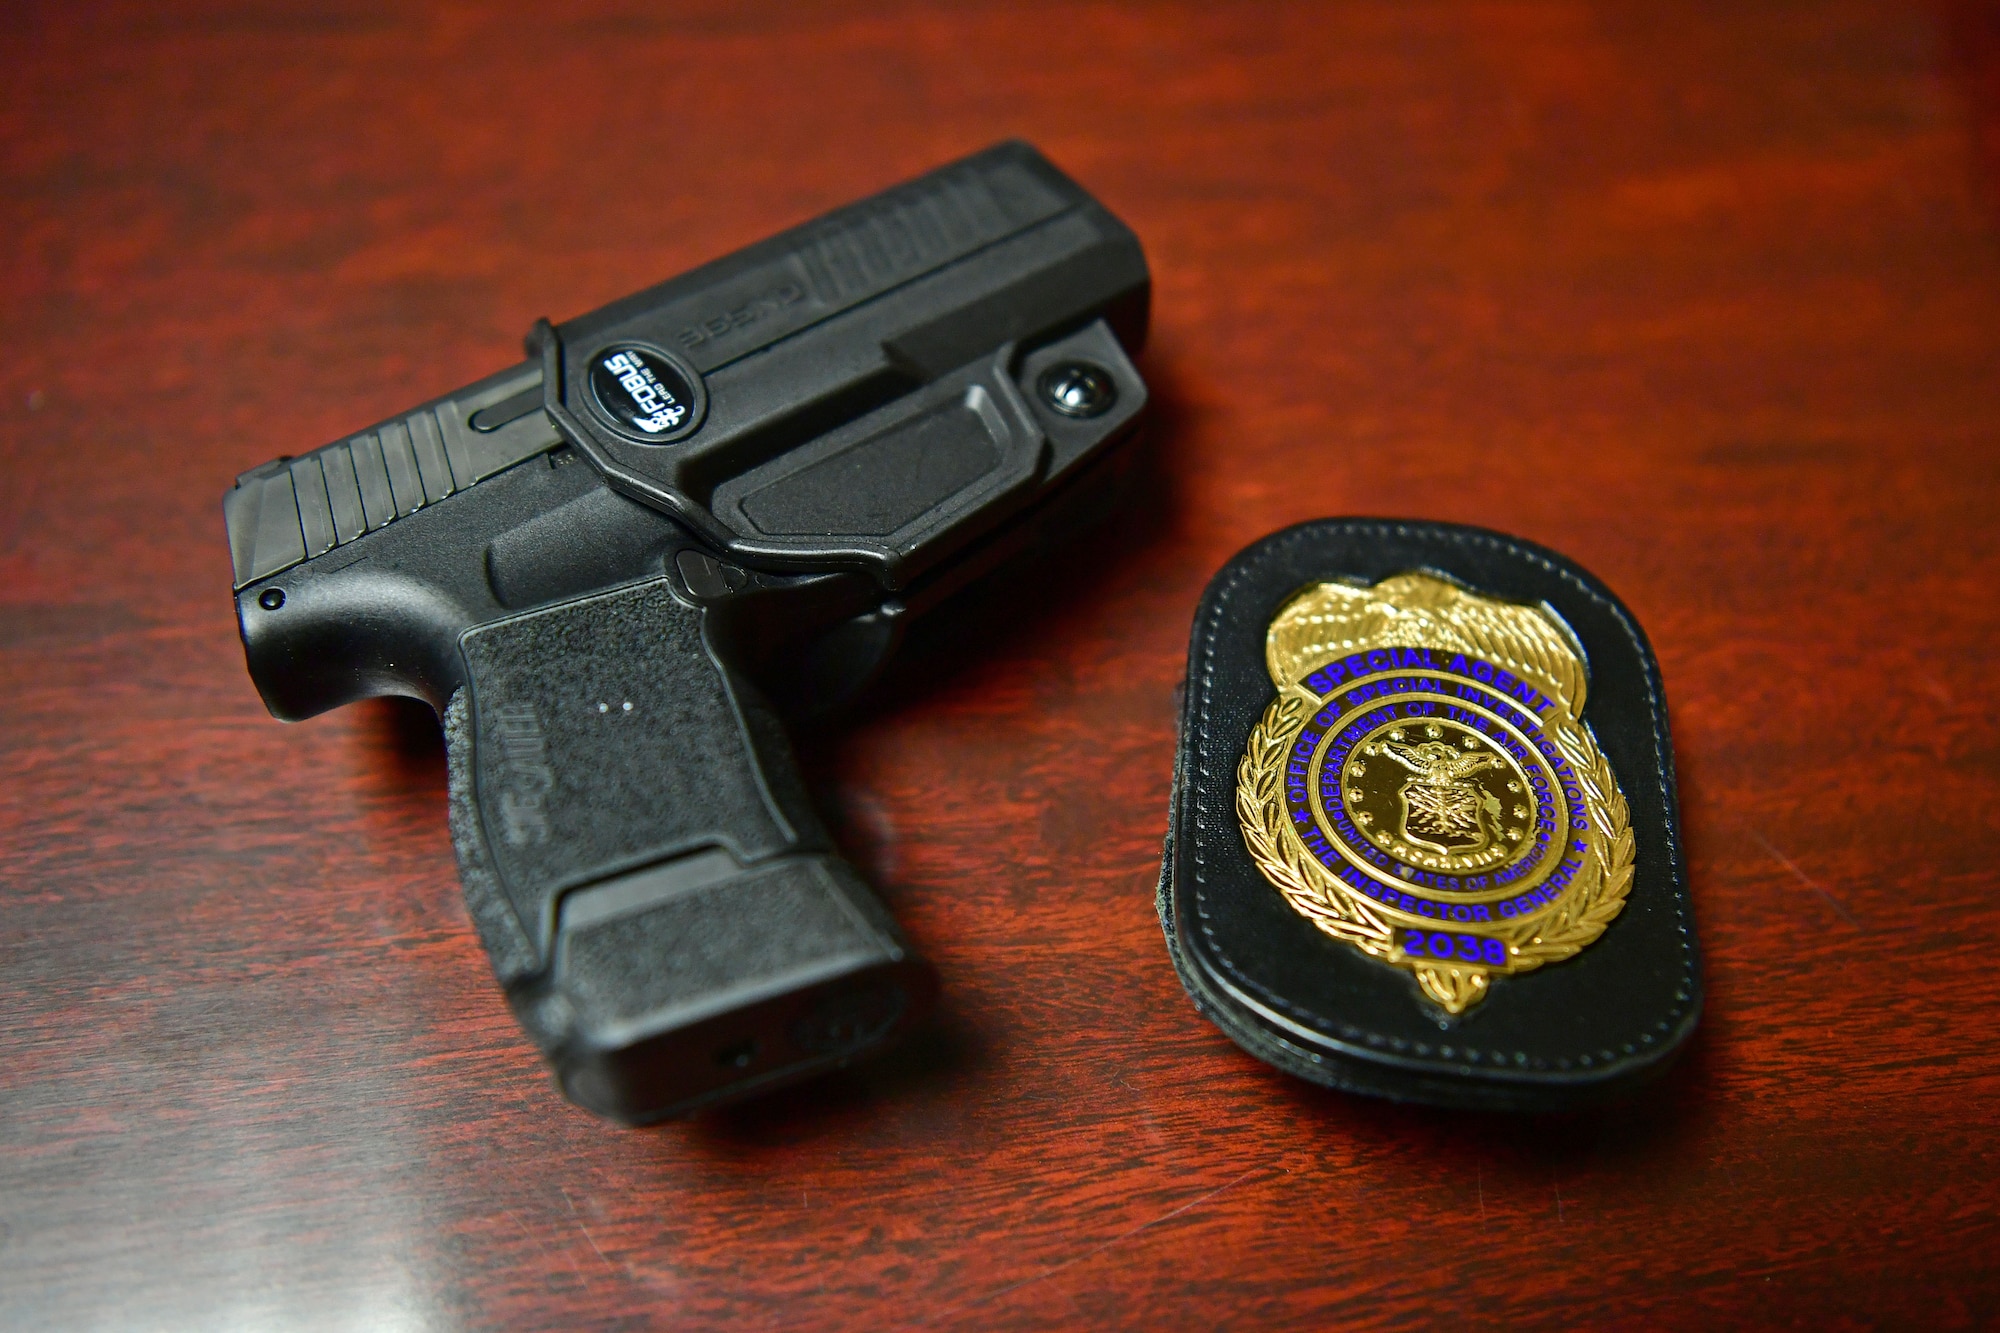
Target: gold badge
{"x":1424,"y":788}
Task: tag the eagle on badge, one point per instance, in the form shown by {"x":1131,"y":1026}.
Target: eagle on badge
{"x":1439,"y":806}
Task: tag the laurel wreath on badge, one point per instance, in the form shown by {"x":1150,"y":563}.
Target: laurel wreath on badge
{"x":1455,"y":723}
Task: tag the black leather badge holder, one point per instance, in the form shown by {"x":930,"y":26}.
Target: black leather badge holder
{"x":1424,"y":842}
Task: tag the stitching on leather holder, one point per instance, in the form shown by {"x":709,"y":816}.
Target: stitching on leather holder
{"x":1422,"y":1050}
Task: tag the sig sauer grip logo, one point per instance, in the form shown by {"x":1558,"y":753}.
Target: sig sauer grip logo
{"x":1424,"y":788}
{"x":522,"y":776}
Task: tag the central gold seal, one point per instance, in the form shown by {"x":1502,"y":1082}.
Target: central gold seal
{"x":1424,"y":788}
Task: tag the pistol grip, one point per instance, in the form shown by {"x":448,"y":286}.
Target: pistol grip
{"x":659,"y":901}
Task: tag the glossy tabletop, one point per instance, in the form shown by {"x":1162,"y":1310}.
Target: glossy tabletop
{"x":1705,"y":296}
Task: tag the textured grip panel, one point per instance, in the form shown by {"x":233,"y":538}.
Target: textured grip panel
{"x":607,"y":738}
{"x":684,"y":934}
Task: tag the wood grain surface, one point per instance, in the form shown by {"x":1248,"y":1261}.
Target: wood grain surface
{"x":1705,"y":295}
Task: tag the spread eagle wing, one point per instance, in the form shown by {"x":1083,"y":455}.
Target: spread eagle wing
{"x":1327,"y":621}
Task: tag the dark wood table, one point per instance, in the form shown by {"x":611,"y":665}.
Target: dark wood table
{"x":1706,"y":296}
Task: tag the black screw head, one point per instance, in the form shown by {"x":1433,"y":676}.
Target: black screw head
{"x":271,"y":598}
{"x":1078,"y":389}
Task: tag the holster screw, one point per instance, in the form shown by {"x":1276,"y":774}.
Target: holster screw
{"x":1078,"y":389}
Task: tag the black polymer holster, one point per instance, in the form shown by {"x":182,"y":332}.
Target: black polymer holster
{"x":614,"y":567}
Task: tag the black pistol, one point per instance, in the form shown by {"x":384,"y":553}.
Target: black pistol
{"x":614,"y":567}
